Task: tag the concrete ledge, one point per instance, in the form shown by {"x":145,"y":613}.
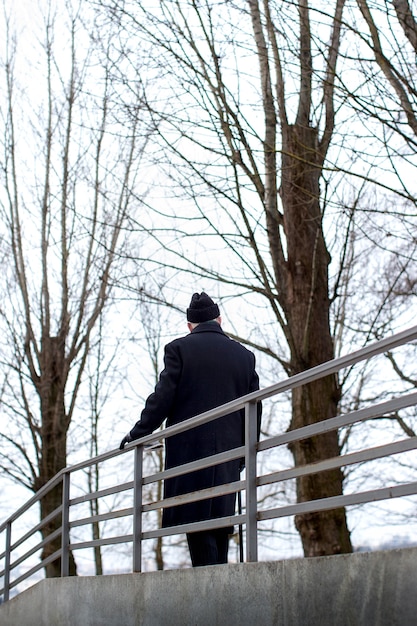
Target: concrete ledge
{"x":375,"y":588}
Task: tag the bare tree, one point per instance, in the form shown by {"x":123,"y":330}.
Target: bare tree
{"x":71,"y":150}
{"x":384,"y":98}
{"x":248,"y":117}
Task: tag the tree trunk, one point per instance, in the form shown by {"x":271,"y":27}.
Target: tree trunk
{"x":307,"y":307}
{"x":54,"y":454}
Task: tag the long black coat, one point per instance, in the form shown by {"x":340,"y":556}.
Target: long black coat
{"x":202,"y":370}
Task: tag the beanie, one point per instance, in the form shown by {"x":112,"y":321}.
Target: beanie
{"x":202,"y":309}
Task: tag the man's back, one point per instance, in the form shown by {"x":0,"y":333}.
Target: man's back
{"x":214,"y":369}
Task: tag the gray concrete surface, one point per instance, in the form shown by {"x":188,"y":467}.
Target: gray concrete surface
{"x":375,"y":588}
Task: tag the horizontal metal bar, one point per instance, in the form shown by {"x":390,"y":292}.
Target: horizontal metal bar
{"x":108,"y":541}
{"x":101,"y":517}
{"x":368,"y":454}
{"x":52,"y":557}
{"x":221,"y":522}
{"x":38,"y":527}
{"x":336,"y":502}
{"x":34,"y":499}
{"x":314,"y":373}
{"x":195,"y":496}
{"x":340,"y":421}
{"x":87,"y":497}
{"x":335,"y":365}
{"x":39,"y":546}
{"x":208,"y":461}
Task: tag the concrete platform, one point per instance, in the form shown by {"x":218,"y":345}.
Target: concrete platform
{"x":375,"y":588}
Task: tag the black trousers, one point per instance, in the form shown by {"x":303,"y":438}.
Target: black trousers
{"x":209,"y":547}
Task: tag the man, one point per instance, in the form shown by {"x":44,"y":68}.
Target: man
{"x":202,"y":370}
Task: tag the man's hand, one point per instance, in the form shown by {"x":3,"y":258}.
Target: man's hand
{"x":125,"y":440}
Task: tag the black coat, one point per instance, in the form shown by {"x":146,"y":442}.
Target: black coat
{"x":202,"y":370}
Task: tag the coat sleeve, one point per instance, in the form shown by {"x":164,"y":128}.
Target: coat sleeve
{"x":159,"y":404}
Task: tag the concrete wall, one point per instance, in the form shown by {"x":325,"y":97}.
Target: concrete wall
{"x":376,"y":588}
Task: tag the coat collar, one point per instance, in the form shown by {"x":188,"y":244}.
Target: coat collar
{"x":204,"y":327}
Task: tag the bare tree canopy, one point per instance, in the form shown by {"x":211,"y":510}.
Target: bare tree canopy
{"x":71,"y":153}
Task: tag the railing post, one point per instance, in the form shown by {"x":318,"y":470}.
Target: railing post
{"x":65,"y":536}
{"x":137,"y":510}
{"x":251,"y":420}
{"x":7,"y":561}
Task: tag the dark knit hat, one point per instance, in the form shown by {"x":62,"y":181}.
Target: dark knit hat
{"x":202,"y":309}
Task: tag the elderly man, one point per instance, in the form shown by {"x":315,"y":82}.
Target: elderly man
{"x":202,"y":370}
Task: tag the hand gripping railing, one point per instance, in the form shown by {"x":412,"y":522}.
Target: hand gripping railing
{"x":248,"y":485}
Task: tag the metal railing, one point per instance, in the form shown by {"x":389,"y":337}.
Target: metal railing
{"x":249,"y":485}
